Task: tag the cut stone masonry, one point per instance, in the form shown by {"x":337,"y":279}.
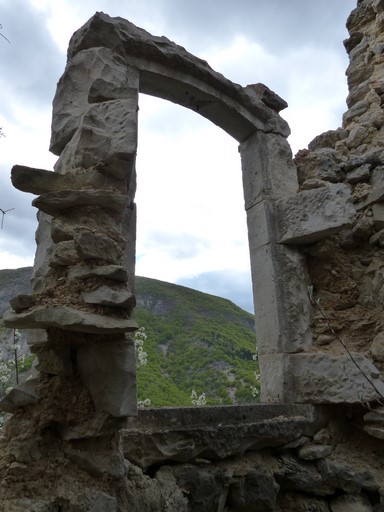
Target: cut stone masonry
{"x":315,"y":224}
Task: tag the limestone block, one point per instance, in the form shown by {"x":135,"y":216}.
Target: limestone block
{"x":377,"y":347}
{"x":321,"y":378}
{"x":261,"y":221}
{"x":94,"y":74}
{"x":54,"y":360}
{"x":268,"y":169}
{"x":64,"y":254}
{"x":41,"y":274}
{"x":53,"y":203}
{"x":106,"y":138}
{"x":108,"y":371}
{"x":69,"y":319}
{"x":22,"y":302}
{"x":21,"y":396}
{"x":61,"y":231}
{"x":327,"y":139}
{"x":322,"y":164}
{"x":348,"y":503}
{"x":375,"y":196}
{"x":106,"y":296}
{"x":276,"y":380}
{"x":378,"y":215}
{"x":358,"y":108}
{"x":41,"y":181}
{"x":315,"y":214}
{"x":315,"y":451}
{"x":96,"y":246}
{"x":358,"y":174}
{"x":281,"y":300}
{"x":114,"y":272}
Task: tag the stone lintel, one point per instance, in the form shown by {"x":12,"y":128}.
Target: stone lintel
{"x":69,"y":319}
{"x":315,"y":214}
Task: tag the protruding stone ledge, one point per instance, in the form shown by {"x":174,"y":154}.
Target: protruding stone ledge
{"x":114,"y":272}
{"x":53,"y":203}
{"x":66,"y":318}
{"x":106,"y":296}
{"x":315,"y":214}
{"x":182,"y":434}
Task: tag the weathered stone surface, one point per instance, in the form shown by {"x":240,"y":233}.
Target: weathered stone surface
{"x":315,"y":214}
{"x":374,"y":431}
{"x":101,"y":424}
{"x":327,"y":139}
{"x":182,"y":434}
{"x":314,"y":451}
{"x":350,"y":504}
{"x":106,"y":296}
{"x":22,"y":302}
{"x":106,"y":139}
{"x":359,"y":174}
{"x":321,"y":378}
{"x":270,"y":98}
{"x":67,"y":318}
{"x":53,"y":203}
{"x":114,"y":272}
{"x":313,"y":183}
{"x":96,"y":246}
{"x":42,"y":273}
{"x":64,"y":254}
{"x":104,"y":503}
{"x":255,"y":492}
{"x":54,"y":360}
{"x":377,"y":347}
{"x":164,"y":66}
{"x":321,"y":164}
{"x":268,"y":170}
{"x":302,"y":477}
{"x":351,"y":477}
{"x":21,"y":396}
{"x":93,"y":75}
{"x":378,"y":215}
{"x":282,"y":306}
{"x":98,"y":462}
{"x":108,"y":371}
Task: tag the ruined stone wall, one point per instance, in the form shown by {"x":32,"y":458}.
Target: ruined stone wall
{"x":69,"y":445}
{"x":347,"y":270}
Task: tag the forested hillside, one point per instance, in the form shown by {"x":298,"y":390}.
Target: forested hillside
{"x":194,"y":341}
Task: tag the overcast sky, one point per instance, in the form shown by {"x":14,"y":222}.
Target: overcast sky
{"x":191,"y":225}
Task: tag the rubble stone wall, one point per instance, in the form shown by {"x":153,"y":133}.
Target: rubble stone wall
{"x":75,"y":440}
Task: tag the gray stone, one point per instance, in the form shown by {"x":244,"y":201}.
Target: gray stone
{"x":98,"y":462}
{"x":375,"y":416}
{"x":64,"y":254}
{"x":363,"y":228}
{"x":93,"y":75}
{"x":104,"y":503}
{"x":351,"y":477}
{"x":22,"y":302}
{"x":114,"y":272}
{"x":377,"y":347}
{"x":313,"y":183}
{"x":321,"y":164}
{"x":312,"y":451}
{"x":374,"y":431}
{"x":101,"y":424}
{"x":358,"y":109}
{"x":315,"y":214}
{"x":268,"y":170}
{"x":108,"y":371}
{"x":377,"y":238}
{"x":321,"y":378}
{"x":91,"y":245}
{"x":69,"y":319}
{"x":53,"y":203}
{"x":362,"y":173}
{"x":255,"y":492}
{"x":61,"y":231}
{"x":282,"y":305}
{"x":376,"y":196}
{"x":270,"y":98}
{"x":21,"y":396}
{"x":54,"y":360}
{"x":349,"y":503}
{"x":378,"y":215}
{"x":328,"y":139}
{"x":106,"y":296}
{"x":106,"y":139}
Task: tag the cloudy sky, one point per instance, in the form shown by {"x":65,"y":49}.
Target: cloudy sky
{"x":191,"y":226}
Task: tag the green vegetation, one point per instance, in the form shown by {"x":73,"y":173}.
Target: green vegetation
{"x":194,"y":341}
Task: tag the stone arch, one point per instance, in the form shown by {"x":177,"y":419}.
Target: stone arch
{"x":94,"y":133}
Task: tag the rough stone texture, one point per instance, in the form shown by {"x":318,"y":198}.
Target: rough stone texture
{"x":315,"y":214}
{"x":106,"y":296}
{"x":113,"y":272}
{"x":112,"y":391}
{"x":68,"y":319}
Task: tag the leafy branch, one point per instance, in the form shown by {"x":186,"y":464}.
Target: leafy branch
{"x":317,"y":304}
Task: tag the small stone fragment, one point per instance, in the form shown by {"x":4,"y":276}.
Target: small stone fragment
{"x":106,"y":296}
{"x":314,"y":451}
{"x":22,"y":302}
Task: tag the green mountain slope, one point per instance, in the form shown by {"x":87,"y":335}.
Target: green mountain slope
{"x":194,"y":341}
